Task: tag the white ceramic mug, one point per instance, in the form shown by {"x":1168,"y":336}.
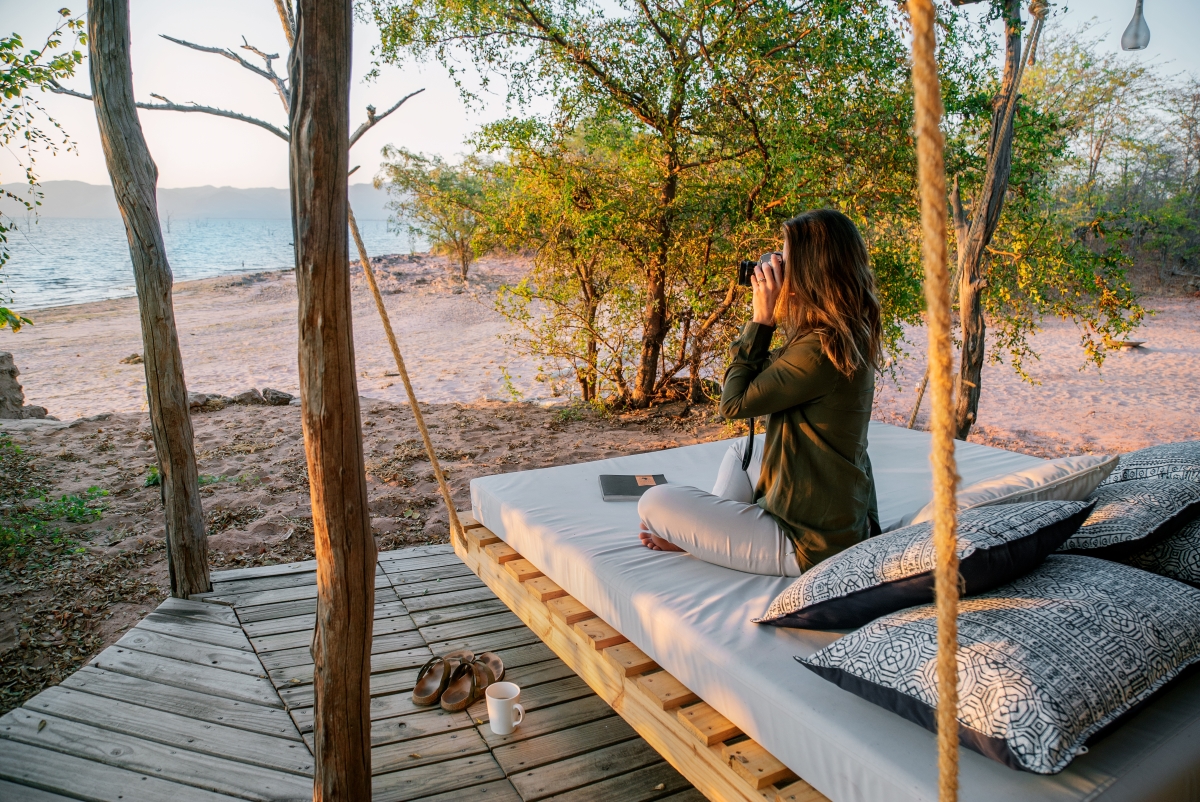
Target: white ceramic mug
{"x":503,"y":707}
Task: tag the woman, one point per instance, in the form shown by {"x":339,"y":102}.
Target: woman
{"x":814,"y":495}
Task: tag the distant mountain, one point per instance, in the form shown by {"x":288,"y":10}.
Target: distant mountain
{"x":79,"y":200}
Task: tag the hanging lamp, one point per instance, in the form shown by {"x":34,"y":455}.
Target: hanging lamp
{"x":1137,"y":33}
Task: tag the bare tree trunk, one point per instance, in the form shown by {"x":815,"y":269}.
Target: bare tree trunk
{"x":134,"y":177}
{"x":319,"y":123}
{"x":986,"y":217}
{"x":655,"y":314}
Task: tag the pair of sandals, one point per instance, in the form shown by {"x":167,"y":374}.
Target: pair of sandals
{"x":457,"y":679}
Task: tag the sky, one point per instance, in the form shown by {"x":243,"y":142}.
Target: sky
{"x":198,"y":149}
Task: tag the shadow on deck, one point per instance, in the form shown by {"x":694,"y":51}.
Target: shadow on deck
{"x":212,"y":700}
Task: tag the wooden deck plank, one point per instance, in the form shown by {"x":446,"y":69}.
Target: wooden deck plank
{"x":416,"y":576}
{"x":292,"y":631}
{"x":239,"y":586}
{"x":198,"y":611}
{"x":179,"y":765}
{"x":380,"y":663}
{"x":459,"y":612}
{"x":182,"y":701}
{"x":534,"y":752}
{"x":416,"y":551}
{"x":258,"y":597}
{"x":489,"y":641}
{"x":435,"y":586}
{"x":552,"y":719}
{"x":425,"y":722}
{"x":427,"y":602}
{"x":11,"y":792}
{"x":423,"y":751}
{"x":199,"y":631}
{"x":530,"y":675}
{"x":173,"y":729}
{"x":234,"y":574}
{"x":300,"y":694}
{"x":497,"y":791}
{"x":591,"y":767}
{"x":449,"y":776}
{"x":393,"y":567}
{"x":301,"y":651}
{"x":189,"y":676}
{"x":203,"y":654}
{"x":648,"y":783}
{"x":539,"y":696}
{"x":469,"y":627}
{"x":88,"y":779}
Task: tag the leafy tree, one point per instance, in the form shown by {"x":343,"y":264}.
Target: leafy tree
{"x":696,"y":129}
{"x":23,"y":120}
{"x":438,"y":201}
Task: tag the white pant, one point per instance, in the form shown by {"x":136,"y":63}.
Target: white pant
{"x":723,"y":527}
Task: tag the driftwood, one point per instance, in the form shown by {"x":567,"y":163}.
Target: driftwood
{"x":319,"y":149}
{"x":134,"y":178}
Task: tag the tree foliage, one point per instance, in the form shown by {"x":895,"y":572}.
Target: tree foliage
{"x":25,"y":124}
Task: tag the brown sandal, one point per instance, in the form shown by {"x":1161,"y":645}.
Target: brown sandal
{"x":492,"y":662}
{"x":435,"y":675}
{"x":466,"y":686}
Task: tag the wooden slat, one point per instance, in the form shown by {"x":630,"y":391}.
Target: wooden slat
{"x":198,"y":631}
{"x":387,"y":661}
{"x":467,"y":519}
{"x":799,"y":791}
{"x":26,"y":793}
{"x":88,"y":779}
{"x":459,"y":612}
{"x":172,"y":729}
{"x":551,"y":719}
{"x":644,"y":784}
{"x":203,"y":654}
{"x":571,"y":773}
{"x":481,"y":537}
{"x":495,"y":791}
{"x":384,"y":612}
{"x":183,"y":701}
{"x":569,"y":610}
{"x":756,"y":765}
{"x":630,"y":659}
{"x":423,"y":751}
{"x":601,"y":635}
{"x":198,"y":611}
{"x":436,"y":586}
{"x":468,"y":627}
{"x":523,"y":570}
{"x":422,"y":781}
{"x":434,"y":574}
{"x":136,"y":754}
{"x":500,"y":553}
{"x":544,"y":589}
{"x":423,"y":723}
{"x":534,"y":752}
{"x":490,"y":642}
{"x":666,"y":691}
{"x":235,"y":574}
{"x":434,"y":601}
{"x":181,"y":674}
{"x":707,"y":725}
{"x":539,"y":696}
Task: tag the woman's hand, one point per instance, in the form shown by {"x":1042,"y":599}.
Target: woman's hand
{"x":767,"y":284}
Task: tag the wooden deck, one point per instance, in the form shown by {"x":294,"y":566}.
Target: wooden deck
{"x":212,"y":700}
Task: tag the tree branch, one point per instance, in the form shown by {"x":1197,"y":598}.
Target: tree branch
{"x":268,"y":73}
{"x":287,"y":19}
{"x":168,"y":105}
{"x":373,"y":118}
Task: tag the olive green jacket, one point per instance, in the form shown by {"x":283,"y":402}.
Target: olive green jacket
{"x":816,"y":476}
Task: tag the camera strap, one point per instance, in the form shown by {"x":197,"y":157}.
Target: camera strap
{"x":748,"y":452}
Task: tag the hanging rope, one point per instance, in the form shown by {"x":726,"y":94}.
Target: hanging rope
{"x":931,"y":177}
{"x":456,"y":530}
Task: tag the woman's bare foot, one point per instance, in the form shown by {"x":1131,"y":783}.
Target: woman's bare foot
{"x":654,"y":542}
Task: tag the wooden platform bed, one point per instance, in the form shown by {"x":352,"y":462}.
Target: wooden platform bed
{"x":704,"y":746}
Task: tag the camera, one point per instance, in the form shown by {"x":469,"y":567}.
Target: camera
{"x":746,"y":267}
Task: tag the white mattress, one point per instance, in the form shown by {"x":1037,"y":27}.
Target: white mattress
{"x":693,"y":618}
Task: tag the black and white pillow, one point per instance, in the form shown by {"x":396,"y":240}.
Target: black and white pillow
{"x":895,"y":570}
{"x":1172,"y":461}
{"x":1036,"y":658}
{"x":1132,"y":516}
{"x":1177,"y":557}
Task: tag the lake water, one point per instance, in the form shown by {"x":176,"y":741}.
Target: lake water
{"x":60,"y":261}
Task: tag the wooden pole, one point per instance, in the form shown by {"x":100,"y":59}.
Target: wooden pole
{"x":134,"y":178}
{"x":319,"y":122}
{"x":931,"y":177}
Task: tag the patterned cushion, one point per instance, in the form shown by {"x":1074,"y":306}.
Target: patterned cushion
{"x":1174,"y":460}
{"x":895,"y":570}
{"x":1044,"y":662}
{"x":1132,"y":516}
{"x":1177,"y":557}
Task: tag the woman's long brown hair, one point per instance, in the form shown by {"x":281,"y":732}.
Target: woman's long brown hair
{"x":830,"y":289}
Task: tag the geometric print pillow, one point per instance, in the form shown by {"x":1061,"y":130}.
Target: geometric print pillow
{"x":895,"y":570}
{"x":1132,"y":516}
{"x":1177,"y":557}
{"x":1044,"y":662}
{"x":1173,"y":461}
